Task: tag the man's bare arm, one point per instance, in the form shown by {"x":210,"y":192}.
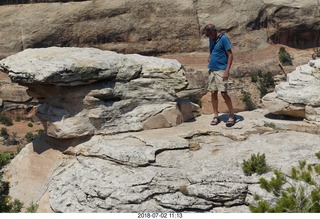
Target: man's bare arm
{"x":230,"y":60}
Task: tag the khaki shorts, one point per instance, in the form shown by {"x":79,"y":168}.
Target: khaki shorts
{"x":216,"y":82}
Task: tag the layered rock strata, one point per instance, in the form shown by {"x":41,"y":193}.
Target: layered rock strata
{"x":93,"y":103}
{"x":85,"y":91}
{"x":193,"y":167}
{"x":13,"y":96}
{"x":299,"y":95}
{"x":156,"y":26}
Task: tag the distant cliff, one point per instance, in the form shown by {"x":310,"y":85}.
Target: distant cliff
{"x":156,"y":26}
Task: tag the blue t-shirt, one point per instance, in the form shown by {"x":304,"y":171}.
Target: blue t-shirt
{"x":218,"y":55}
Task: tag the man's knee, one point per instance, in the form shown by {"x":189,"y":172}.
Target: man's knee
{"x":214,"y":94}
{"x":224,"y":94}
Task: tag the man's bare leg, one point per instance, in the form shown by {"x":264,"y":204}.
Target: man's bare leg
{"x":214,"y":101}
{"x":232,"y":119}
{"x":228,"y":101}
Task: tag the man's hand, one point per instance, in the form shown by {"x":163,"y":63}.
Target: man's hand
{"x":226,"y":75}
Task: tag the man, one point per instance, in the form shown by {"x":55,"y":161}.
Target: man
{"x":220,"y":61}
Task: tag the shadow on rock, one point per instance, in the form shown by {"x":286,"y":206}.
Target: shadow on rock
{"x":45,"y":142}
{"x":225,"y":118}
{"x":282,"y":117}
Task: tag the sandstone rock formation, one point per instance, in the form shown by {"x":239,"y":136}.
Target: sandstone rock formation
{"x":157,"y":26}
{"x":193,"y":167}
{"x":98,"y":107}
{"x":299,"y":96}
{"x":103,"y":154}
{"x":13,"y":96}
{"x":86,"y":91}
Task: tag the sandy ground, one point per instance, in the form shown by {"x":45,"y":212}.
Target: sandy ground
{"x":199,"y":60}
{"x":20,"y":128}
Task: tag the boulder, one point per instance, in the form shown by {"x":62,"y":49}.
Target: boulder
{"x":13,"y":96}
{"x":188,"y":110}
{"x":14,"y":93}
{"x":298,"y":96}
{"x":86,"y":91}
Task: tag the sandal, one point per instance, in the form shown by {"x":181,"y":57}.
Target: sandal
{"x":215,"y":121}
{"x":231,"y":121}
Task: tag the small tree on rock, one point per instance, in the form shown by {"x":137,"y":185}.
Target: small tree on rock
{"x":297,"y":192}
{"x":284,"y":57}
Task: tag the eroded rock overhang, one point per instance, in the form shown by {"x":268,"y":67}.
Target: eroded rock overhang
{"x":87,"y":91}
{"x":299,"y":95}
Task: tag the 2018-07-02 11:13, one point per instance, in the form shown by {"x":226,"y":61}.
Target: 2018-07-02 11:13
{"x":160,"y":215}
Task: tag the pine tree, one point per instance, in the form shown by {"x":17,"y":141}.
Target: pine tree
{"x":297,"y":192}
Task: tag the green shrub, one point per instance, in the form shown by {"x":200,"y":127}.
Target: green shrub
{"x":18,"y":149}
{"x":297,"y":192}
{"x":6,"y":205}
{"x":40,"y":131}
{"x":5,"y":158}
{"x":263,"y":90}
{"x":256,"y":164}
{"x":265,"y":80}
{"x":284,"y":57}
{"x":29,"y":137}
{"x":18,"y":118}
{"x":5,"y":120}
{"x":270,"y":125}
{"x":268,"y":80}
{"x":318,"y":155}
{"x":4,"y":198}
{"x":4,"y":133}
{"x":254,"y":78}
{"x":317,"y":52}
{"x":246,"y":99}
{"x":32,"y":208}
{"x":30,"y":124}
{"x":16,"y":206}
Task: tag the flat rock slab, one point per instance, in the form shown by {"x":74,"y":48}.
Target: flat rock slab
{"x":69,"y":66}
{"x":158,"y":171}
